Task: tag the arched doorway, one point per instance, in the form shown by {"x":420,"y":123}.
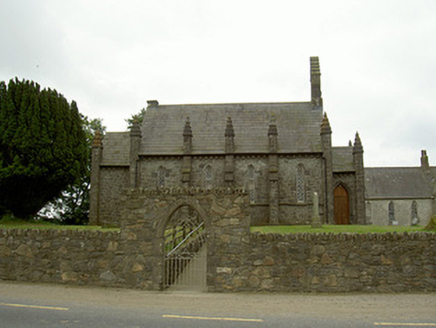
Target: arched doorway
{"x":185,"y":251}
{"x":341,"y":205}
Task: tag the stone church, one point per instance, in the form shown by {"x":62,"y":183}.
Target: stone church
{"x":280,"y":154}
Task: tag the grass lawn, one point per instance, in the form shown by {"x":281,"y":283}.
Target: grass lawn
{"x":336,"y":229}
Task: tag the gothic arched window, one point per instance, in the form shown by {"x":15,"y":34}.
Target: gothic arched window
{"x":208,"y":177}
{"x":415,"y":218}
{"x":301,"y":189}
{"x":161,"y":177}
{"x":391,"y":213}
{"x":251,"y":189}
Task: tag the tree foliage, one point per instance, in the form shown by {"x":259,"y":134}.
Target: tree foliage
{"x":72,"y":206}
{"x":139,"y":117}
{"x":43,"y":146}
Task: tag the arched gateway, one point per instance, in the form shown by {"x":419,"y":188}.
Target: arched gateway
{"x":185,"y":250}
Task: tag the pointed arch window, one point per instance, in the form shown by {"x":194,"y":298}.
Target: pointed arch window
{"x":161,"y":177}
{"x":251,"y":189}
{"x":392,"y":220}
{"x":415,"y":218}
{"x":208,"y":177}
{"x":301,"y":184}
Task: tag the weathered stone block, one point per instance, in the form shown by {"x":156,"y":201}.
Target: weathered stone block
{"x":69,"y":276}
{"x":137,"y":267}
{"x":223,"y":270}
{"x":253,"y":281}
{"x":108,"y":276}
{"x":5,"y":251}
{"x":24,"y":250}
{"x":330,"y":281}
{"x":350,"y":272}
{"x":268,"y":261}
{"x":326,"y":259}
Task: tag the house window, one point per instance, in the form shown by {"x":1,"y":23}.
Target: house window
{"x":301,"y":190}
{"x":161,"y":177}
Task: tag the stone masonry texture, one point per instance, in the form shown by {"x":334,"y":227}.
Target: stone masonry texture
{"x":237,"y":260}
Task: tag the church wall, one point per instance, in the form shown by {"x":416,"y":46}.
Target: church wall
{"x":299,"y":178}
{"x":251,"y":173}
{"x":164,"y":169}
{"x":378,"y":211}
{"x":207,"y":172}
{"x":112,"y":182}
{"x":257,"y":184}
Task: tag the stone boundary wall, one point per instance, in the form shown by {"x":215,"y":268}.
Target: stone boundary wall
{"x":67,"y":256}
{"x":261,"y":262}
{"x":333,"y":263}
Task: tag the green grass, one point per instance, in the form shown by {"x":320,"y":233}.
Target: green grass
{"x":335,"y":229}
{"x":13,"y":223}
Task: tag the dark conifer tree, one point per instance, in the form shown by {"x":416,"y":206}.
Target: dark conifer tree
{"x":43,"y":147}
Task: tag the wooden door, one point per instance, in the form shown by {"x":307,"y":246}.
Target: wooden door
{"x":341,"y":205}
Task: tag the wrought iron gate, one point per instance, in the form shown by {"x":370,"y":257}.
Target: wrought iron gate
{"x":185,"y":251}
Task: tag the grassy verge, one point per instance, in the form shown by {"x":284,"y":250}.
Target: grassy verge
{"x":336,"y":229}
{"x":9,"y":223}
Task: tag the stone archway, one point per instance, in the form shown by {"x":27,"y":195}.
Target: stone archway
{"x":185,"y":250}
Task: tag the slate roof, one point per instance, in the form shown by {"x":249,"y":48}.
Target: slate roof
{"x":396,"y":183}
{"x":298,"y":127}
{"x":116,"y":149}
{"x":343,"y":159}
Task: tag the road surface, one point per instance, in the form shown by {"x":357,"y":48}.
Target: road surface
{"x":48,"y":305}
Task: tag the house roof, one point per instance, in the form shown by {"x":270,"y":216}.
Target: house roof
{"x":343,"y":160}
{"x":298,"y":125}
{"x":116,"y":149}
{"x":396,"y":182}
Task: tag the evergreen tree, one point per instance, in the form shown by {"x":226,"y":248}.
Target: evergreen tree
{"x":43,"y":146}
{"x":139,"y":117}
{"x":72,"y":206}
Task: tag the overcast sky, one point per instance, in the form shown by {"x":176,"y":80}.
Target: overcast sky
{"x":378,"y":60}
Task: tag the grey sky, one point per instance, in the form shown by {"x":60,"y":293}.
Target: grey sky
{"x":377,"y":60}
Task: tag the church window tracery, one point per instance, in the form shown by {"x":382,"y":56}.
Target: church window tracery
{"x":208,"y":177}
{"x":301,"y":190}
{"x":161,"y":177}
{"x":415,"y":218}
{"x":392,"y":220}
{"x":251,"y":190}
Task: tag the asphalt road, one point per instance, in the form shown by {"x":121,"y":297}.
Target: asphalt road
{"x":29,"y":305}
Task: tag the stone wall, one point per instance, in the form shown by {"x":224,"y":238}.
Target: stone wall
{"x":59,"y":256}
{"x":332,"y":263}
{"x":238,"y":262}
{"x":113,"y":180}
